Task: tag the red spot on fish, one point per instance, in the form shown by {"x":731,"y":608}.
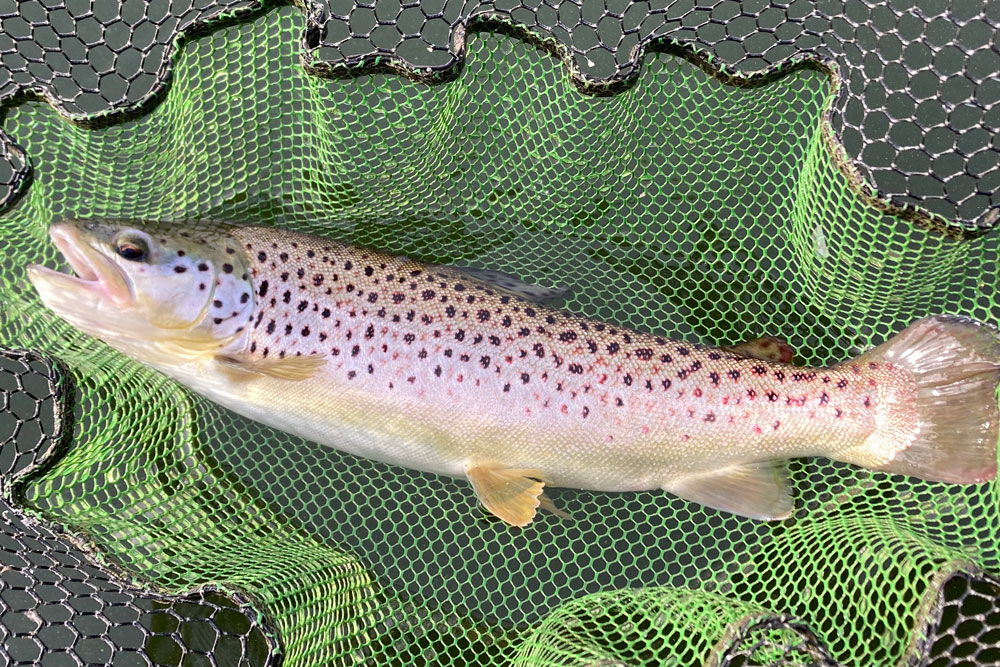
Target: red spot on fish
{"x":685,"y":437}
{"x":697,"y":392}
{"x":757,"y":429}
{"x":775,"y":425}
{"x":645,"y":429}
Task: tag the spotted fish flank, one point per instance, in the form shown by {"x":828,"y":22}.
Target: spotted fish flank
{"x":440,"y":370}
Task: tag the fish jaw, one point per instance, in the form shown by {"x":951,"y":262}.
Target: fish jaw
{"x":99,"y":289}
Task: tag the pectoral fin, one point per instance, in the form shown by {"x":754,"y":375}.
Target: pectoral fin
{"x":289,"y":368}
{"x":505,"y":282}
{"x":766,"y":348}
{"x":512,"y":495}
{"x":755,"y":490}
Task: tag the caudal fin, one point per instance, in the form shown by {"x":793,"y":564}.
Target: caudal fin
{"x":955,"y":362}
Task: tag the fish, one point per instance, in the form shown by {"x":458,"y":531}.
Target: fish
{"x":473,"y":374}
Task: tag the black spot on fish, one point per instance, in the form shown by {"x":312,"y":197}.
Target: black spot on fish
{"x":666,"y":359}
{"x":643,"y":353}
{"x":303,"y":305}
{"x":201,"y":286}
{"x":841,"y":383}
{"x":369,"y":271}
{"x":776,"y":425}
{"x":217,"y":320}
{"x":325,"y":313}
{"x":351,"y":374}
{"x":460,"y":335}
{"x":288,"y":329}
{"x":714,"y":377}
{"x":217,"y":304}
{"x":839,"y":412}
{"x":283,"y":257}
{"x":550,"y":319}
{"x":437,"y":371}
{"x":771,"y":396}
{"x":180,"y":269}
{"x":666,"y":383}
{"x":310,"y":253}
{"x":284,"y":276}
{"x":203,"y":267}
{"x":683,"y":351}
{"x":305,"y":332}
{"x":710,"y":417}
{"x":506,"y":388}
{"x":627,"y":380}
{"x":733,"y":374}
{"x":586,"y":411}
{"x":270,"y":327}
{"x":230,"y":251}
{"x":355,"y":350}
{"x":779,"y":376}
{"x":539,"y":350}
{"x":714,"y":356}
{"x":322,"y":336}
{"x":567,"y":336}
{"x":348,"y":266}
{"x":227,"y":268}
{"x":262,"y":256}
{"x":399,"y":297}
{"x":287,"y":296}
{"x":485,"y":361}
{"x":263,"y":288}
{"x":318,"y":279}
{"x":530,"y":312}
{"x":524,"y":331}
{"x":483,"y":315}
{"x":613,"y":348}
{"x":525,"y":378}
{"x":409,"y":338}
{"x":181,"y":253}
{"x":244,"y":297}
{"x":494,"y":340}
{"x":370,"y":331}
{"x":253,"y":346}
{"x":576,"y":369}
{"x":427,"y":295}
{"x":759,"y":370}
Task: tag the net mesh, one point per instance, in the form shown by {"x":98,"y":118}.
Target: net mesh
{"x":683,"y":206}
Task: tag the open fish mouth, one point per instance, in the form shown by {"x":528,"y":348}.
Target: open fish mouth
{"x":96,"y":275}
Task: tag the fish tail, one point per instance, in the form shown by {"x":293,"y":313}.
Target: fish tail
{"x":943,"y":426}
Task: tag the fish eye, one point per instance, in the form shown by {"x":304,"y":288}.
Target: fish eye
{"x":132,"y":248}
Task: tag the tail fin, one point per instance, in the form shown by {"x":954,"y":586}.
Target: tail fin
{"x":955,"y":362}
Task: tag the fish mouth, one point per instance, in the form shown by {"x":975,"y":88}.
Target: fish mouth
{"x":96,"y":275}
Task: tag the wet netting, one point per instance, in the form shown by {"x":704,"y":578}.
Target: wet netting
{"x":712,"y":171}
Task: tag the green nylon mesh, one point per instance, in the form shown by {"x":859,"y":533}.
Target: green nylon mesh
{"x":682,"y":206}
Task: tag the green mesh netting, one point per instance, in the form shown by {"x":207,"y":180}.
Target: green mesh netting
{"x":682,"y":206}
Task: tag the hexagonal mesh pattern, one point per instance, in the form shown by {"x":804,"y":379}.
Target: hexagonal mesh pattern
{"x":916,"y":113}
{"x":57,"y":606}
{"x":683,"y":205}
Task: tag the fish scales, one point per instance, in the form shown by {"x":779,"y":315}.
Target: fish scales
{"x":546,"y":388}
{"x":454,"y":371}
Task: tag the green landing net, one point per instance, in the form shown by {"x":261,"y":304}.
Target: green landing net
{"x":702,"y":207}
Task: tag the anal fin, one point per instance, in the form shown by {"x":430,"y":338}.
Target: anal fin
{"x":513,"y":495}
{"x":766,"y":348}
{"x":755,"y":490}
{"x":288,"y":368}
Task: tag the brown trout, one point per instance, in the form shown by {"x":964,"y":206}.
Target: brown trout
{"x":466,"y":373}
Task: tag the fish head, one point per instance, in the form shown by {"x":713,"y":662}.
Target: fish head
{"x":138,"y":283}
